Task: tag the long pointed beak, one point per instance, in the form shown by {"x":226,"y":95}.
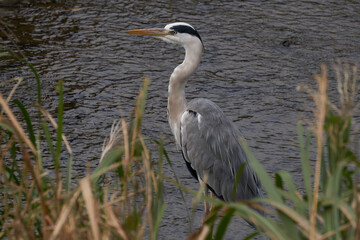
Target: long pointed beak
{"x":158,"y":32}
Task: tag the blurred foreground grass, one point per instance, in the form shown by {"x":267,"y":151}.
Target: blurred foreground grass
{"x":40,"y":203}
{"x":123,"y":197}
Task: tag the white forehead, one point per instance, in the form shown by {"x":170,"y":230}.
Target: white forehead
{"x":170,"y":25}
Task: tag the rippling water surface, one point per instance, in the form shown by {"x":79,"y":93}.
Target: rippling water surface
{"x":248,"y":69}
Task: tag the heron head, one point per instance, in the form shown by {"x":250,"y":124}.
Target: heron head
{"x":177,"y":33}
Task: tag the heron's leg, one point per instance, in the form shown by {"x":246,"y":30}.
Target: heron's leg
{"x":206,"y":204}
{"x":212,"y":197}
{"x":206,"y":193}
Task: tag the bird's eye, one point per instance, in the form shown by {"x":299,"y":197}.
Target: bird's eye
{"x":173,"y":32}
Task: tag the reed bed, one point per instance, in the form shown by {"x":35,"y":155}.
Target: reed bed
{"x":40,"y":203}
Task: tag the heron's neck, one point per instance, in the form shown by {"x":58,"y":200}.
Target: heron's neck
{"x":178,"y":79}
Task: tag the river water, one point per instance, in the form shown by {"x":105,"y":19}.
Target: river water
{"x":256,"y":54}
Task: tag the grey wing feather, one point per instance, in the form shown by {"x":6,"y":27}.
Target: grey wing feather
{"x":209,"y":142}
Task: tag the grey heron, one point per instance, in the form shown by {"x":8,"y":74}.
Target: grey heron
{"x":207,"y":138}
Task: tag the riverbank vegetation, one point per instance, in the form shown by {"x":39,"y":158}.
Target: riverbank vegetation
{"x":123,"y":198}
{"x":327,"y":203}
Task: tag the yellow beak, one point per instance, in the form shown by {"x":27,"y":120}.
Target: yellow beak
{"x":158,"y":32}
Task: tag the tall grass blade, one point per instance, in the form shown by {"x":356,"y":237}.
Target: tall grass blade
{"x":237,"y":179}
{"x":332,"y":193}
{"x":38,"y":82}
{"x":64,"y":214}
{"x":59,"y":129}
{"x":85,"y":185}
{"x":27,"y":120}
{"x":7,"y":127}
{"x":159,"y":216}
{"x":290,"y":226}
{"x":268,"y":226}
{"x":68,"y":173}
{"x":292,"y":214}
{"x":107,"y":164}
{"x":323,"y":173}
{"x":348,"y":211}
{"x":11,"y":173}
{"x":163,"y":151}
{"x":223,"y":225}
{"x":39,"y":160}
{"x":158,"y":205}
{"x":251,"y":235}
{"x":49,"y":141}
{"x":265,"y":180}
{"x":16,"y":124}
{"x":304,"y":146}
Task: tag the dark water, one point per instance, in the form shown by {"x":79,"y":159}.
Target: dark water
{"x":248,"y":69}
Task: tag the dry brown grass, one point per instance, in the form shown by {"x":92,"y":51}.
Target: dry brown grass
{"x":126,"y":204}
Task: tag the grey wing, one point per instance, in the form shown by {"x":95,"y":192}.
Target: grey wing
{"x":209,"y":143}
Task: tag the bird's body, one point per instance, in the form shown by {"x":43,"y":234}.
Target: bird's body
{"x":202,"y":127}
{"x":209,"y":141}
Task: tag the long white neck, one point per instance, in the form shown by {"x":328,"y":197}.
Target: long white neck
{"x":178,"y":79}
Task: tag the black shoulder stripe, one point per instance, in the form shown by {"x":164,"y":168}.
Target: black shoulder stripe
{"x":216,"y":195}
{"x":188,"y":165}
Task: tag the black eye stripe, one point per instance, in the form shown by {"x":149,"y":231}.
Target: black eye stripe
{"x":186,"y":29}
